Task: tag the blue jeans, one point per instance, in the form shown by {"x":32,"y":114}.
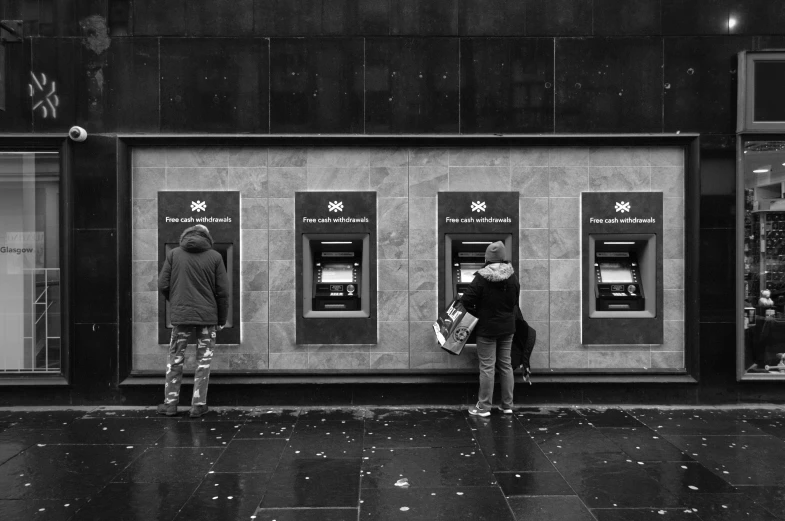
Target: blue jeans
{"x":495,"y":353}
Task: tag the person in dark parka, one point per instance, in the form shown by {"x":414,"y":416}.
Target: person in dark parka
{"x":193,"y":279}
{"x":492,"y":297}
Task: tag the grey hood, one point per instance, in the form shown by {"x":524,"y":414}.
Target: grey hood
{"x":496,"y":272}
{"x":196,"y":240}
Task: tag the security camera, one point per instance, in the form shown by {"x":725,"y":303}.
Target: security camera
{"x":77,"y":134}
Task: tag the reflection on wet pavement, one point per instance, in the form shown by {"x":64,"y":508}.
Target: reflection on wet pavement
{"x":602,"y":464}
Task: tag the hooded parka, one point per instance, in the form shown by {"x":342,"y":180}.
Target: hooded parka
{"x":193,"y":280}
{"x":492,"y":297}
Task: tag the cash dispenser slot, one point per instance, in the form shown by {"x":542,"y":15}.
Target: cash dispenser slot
{"x":623,"y":276}
{"x":337,"y":266}
{"x":227,"y":254}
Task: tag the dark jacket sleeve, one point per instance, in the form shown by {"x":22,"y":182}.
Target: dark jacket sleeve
{"x":221,"y":291}
{"x":165,"y":276}
{"x":473,"y":294}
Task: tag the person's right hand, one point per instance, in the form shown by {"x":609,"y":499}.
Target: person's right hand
{"x":219,"y":327}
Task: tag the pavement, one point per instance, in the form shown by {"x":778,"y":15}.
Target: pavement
{"x":412,"y":464}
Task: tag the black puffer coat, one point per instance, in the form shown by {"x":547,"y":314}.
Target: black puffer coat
{"x":193,"y":280}
{"x":492,"y":297}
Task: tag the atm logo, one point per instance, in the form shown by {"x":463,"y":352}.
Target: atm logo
{"x":622,"y":207}
{"x":198,"y":206}
{"x":335,"y":206}
{"x":479,"y":206}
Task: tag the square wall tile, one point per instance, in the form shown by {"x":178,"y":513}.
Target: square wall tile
{"x":620,"y":179}
{"x":287,"y":157}
{"x":390,"y":360}
{"x":432,"y":360}
{"x":144,"y":214}
{"x":429,"y":157}
{"x":673,"y":336}
{"x":249,"y":181}
{"x":534,"y":274}
{"x":144,"y":276}
{"x":669,"y":180}
{"x":620,"y":156}
{"x":484,"y":156}
{"x":285,"y":181}
{"x":147,"y":182}
{"x":191,"y":178}
{"x":339,"y":157}
{"x":667,"y":360}
{"x":282,"y":306}
{"x":530,"y":181}
{"x":565,"y":305}
{"x":255,"y":337}
{"x":339,"y":178}
{"x":145,"y":306}
{"x":389,"y":181}
{"x":427,"y":181}
{"x":422,"y":306}
{"x":254,"y":244}
{"x":389,"y":157}
{"x":153,"y":157}
{"x":422,"y":244}
{"x":393,"y":275}
{"x":673,"y":212}
{"x":565,"y":335}
{"x":423,"y":275}
{"x":282,"y":340}
{"x":281,"y":275}
{"x":253,"y":213}
{"x":564,"y":243}
{"x":529,"y":156}
{"x":543,"y":342}
{"x":567,"y":181}
{"x":253,"y":275}
{"x":534,"y":243}
{"x":673,"y":244}
{"x":568,"y":156}
{"x":281,"y":244}
{"x":534,"y":212}
{"x":296,"y":361}
{"x":422,"y":338}
{"x":254,"y":306}
{"x":673,"y":273}
{"x":393,"y":337}
{"x":535,"y":305}
{"x":565,"y":274}
{"x":281,"y":212}
{"x":321,"y":361}
{"x":422,"y":213}
{"x":145,"y":339}
{"x":393,"y":306}
{"x":620,"y":359}
{"x":564,"y":212}
{"x":569,"y":360}
{"x":673,"y":304}
{"x":666,"y":156}
{"x":466,"y":179}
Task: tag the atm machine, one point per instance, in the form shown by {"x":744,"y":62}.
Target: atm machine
{"x":335,"y":275}
{"x":624,"y":273}
{"x":464,"y":256}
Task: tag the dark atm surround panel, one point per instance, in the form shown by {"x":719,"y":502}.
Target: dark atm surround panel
{"x":336,"y":275}
{"x":623,"y":275}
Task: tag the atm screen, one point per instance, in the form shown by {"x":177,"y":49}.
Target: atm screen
{"x":468,"y":270}
{"x":337,"y":273}
{"x":615,"y":272}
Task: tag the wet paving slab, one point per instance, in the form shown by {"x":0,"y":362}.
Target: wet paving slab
{"x":336,"y":464}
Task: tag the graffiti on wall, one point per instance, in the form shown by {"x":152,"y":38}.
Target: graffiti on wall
{"x":44,"y":97}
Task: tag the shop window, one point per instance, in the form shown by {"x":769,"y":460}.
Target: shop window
{"x":763,"y":170}
{"x":30,"y":303}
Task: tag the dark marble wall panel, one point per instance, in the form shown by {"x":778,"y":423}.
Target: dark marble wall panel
{"x":58,"y":62}
{"x":492,"y":18}
{"x":507,"y":85}
{"x":94,"y":355}
{"x":717,"y":267}
{"x":316,"y":85}
{"x":609,"y":84}
{"x":156,"y":18}
{"x":71,"y":17}
{"x":94,"y":295}
{"x":700,"y":83}
{"x":695,"y":17}
{"x":718,"y":363}
{"x":627,"y":17}
{"x":220,"y":18}
{"x":12,"y":9}
{"x":558,"y":17}
{"x":214,"y":85}
{"x":756,"y":17}
{"x":321,"y":17}
{"x":18,"y":114}
{"x":718,"y":189}
{"x":411,"y":85}
{"x":129,"y":88}
{"x":95,"y":183}
{"x":424,"y":17}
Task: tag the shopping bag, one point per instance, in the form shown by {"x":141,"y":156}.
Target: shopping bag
{"x":522,"y":345}
{"x":453,"y":327}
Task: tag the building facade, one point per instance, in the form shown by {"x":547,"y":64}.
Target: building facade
{"x":256,"y":116}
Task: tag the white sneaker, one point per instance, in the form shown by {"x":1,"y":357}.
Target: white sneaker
{"x":476,"y":411}
{"x":507,"y":411}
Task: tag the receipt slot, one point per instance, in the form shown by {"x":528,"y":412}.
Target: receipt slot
{"x":464,"y":256}
{"x":335,"y":275}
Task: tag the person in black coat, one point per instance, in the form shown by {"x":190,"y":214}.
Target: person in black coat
{"x":193,"y":279}
{"x":492,"y":297}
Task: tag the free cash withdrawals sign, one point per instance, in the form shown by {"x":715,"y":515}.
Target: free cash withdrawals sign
{"x":220,"y":213}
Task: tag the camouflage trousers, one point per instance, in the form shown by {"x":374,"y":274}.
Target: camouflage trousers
{"x":205,"y":343}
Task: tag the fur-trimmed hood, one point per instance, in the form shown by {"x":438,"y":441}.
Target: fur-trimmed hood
{"x":496,"y":272}
{"x":196,"y":239}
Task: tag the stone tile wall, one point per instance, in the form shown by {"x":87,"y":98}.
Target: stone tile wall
{"x":407,"y":181}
